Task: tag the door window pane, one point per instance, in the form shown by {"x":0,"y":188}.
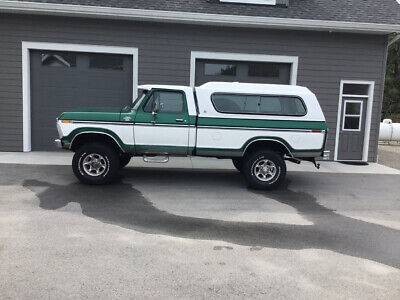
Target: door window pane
{"x":219,"y":69}
{"x":59,"y":59}
{"x":351,"y":123}
{"x":353,"y":108}
{"x":355,"y":89}
{"x":352,"y":115}
{"x":166,"y":102}
{"x":106,"y":61}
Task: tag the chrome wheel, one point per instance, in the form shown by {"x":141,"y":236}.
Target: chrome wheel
{"x":94,"y":164}
{"x":264,"y":169}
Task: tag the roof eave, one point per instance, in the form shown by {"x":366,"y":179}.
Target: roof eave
{"x":193,"y":18}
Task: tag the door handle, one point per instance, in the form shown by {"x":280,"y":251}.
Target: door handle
{"x":180,"y":120}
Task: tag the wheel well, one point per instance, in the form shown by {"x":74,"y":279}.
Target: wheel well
{"x":100,"y":138}
{"x":268,"y":144}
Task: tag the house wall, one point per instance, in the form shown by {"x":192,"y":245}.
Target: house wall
{"x":164,"y":58}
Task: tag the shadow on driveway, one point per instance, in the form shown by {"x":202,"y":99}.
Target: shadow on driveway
{"x":120,"y":204}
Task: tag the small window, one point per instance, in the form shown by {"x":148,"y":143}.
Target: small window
{"x":356,"y":89}
{"x":352,"y":115}
{"x":166,"y":102}
{"x":262,"y":2}
{"x":216,"y":69}
{"x":263,"y":70}
{"x":252,"y":104}
{"x":106,"y":61}
{"x":59,"y":59}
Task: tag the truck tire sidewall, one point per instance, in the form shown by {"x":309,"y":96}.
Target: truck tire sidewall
{"x":238,"y":163}
{"x":254,"y":158}
{"x":124,"y":160}
{"x":112,"y":164}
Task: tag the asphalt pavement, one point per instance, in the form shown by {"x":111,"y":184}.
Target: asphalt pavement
{"x":185,"y":233}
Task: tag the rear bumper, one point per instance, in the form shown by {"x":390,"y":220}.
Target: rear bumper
{"x":326,"y":155}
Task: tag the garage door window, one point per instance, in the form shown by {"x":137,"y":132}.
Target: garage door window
{"x":251,"y":104}
{"x":106,"y":61}
{"x":216,"y":69}
{"x":59,"y":59}
{"x":264,"y":70}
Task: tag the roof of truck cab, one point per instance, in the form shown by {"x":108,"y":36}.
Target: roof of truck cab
{"x":254,"y":88}
{"x":163,"y":86}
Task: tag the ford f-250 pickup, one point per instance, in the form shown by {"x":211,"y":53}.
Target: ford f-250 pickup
{"x":258,"y":126}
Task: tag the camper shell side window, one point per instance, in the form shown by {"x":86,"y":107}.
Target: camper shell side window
{"x":278,"y":105}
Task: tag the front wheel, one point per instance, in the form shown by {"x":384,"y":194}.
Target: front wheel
{"x":124,"y":159}
{"x":95,"y":164}
{"x":264,"y":169}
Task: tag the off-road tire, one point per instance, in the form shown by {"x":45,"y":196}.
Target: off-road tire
{"x":124,"y":159}
{"x":238,"y":163}
{"x":254,"y":173}
{"x":108,"y":159}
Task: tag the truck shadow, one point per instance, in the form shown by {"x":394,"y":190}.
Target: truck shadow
{"x":120,"y":204}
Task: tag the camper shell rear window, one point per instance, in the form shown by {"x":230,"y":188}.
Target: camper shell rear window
{"x":278,"y":105}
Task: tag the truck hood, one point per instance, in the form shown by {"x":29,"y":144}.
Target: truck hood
{"x":92,"y":114}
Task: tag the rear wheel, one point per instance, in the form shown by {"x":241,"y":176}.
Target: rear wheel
{"x":264,"y":169}
{"x":238,"y":163}
{"x":95,"y":164}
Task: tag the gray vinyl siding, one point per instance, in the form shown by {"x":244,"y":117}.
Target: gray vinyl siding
{"x":164,"y":58}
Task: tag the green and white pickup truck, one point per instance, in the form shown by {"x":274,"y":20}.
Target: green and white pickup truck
{"x":258,"y":126}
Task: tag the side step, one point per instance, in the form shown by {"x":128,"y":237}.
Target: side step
{"x":153,"y":158}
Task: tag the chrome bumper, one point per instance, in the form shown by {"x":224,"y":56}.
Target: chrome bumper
{"x":58,"y":143}
{"x":326,"y":155}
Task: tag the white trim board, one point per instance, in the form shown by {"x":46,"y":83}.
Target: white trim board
{"x":368,"y":116}
{"x":192,"y":18}
{"x":26,"y":79}
{"x":294,"y":60}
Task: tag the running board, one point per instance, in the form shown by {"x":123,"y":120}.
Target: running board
{"x":156,"y":158}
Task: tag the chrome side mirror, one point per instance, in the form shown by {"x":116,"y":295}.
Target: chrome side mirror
{"x":154,"y":112}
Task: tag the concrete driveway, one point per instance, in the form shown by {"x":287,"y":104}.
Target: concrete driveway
{"x":198,"y":233}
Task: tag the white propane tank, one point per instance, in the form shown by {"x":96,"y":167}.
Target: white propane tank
{"x":389,"y":131}
{"x":396,"y":132}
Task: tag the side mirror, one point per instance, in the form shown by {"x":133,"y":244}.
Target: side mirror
{"x":154,"y":112}
{"x":155,"y":108}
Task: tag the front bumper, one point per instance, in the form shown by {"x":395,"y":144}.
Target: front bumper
{"x":58,"y":143}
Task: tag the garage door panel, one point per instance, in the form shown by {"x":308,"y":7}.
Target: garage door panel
{"x":61,"y":82}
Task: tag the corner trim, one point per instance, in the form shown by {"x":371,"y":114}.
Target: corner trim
{"x":192,"y":18}
{"x":26,"y":79}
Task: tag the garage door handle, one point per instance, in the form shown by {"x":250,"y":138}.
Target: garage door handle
{"x":180,"y":120}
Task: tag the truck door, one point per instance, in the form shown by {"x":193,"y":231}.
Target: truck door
{"x":162,"y":123}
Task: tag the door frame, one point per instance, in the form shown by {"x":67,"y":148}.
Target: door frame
{"x":368,"y":116}
{"x":293,"y":60}
{"x":26,"y":74}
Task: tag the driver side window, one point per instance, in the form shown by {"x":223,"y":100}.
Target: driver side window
{"x":165,"y":102}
